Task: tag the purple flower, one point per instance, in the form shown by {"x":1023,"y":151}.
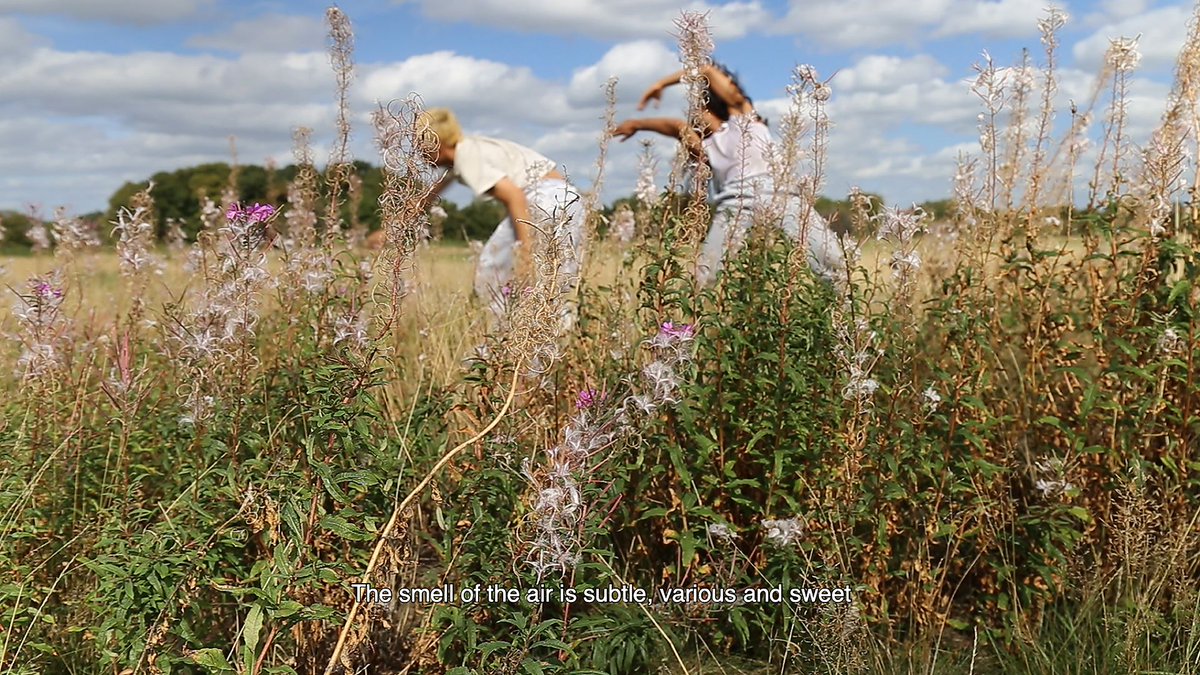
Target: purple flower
{"x":680,"y":331}
{"x":673,"y":340}
{"x":588,"y":398}
{"x":258,"y":213}
{"x":46,"y":291}
{"x":506,"y":291}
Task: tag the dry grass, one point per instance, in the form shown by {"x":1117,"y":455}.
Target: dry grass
{"x":442,"y":322}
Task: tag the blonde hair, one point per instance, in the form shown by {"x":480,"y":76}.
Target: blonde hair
{"x":439,"y":126}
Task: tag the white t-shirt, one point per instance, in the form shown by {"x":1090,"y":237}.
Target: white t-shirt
{"x":738,"y":151}
{"x":480,"y":163}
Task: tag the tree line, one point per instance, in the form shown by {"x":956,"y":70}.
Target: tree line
{"x":178,"y":197}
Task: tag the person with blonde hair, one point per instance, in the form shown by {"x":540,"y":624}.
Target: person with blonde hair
{"x":542,"y":207}
{"x":737,"y":145}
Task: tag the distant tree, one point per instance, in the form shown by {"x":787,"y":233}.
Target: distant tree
{"x":179,"y":194}
{"x":840,"y":213}
{"x":13,"y":226}
{"x":372,"y":188}
{"x":476,"y":220}
{"x":939,"y":209}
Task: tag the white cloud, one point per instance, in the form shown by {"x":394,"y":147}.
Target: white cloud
{"x":853,"y":23}
{"x":878,"y":23}
{"x":472,"y":87}
{"x":580,"y":147}
{"x":1109,"y":11}
{"x":882,"y":72}
{"x":79,"y":164}
{"x":637,"y":65}
{"x":615,"y":19}
{"x":163,"y":91}
{"x":1004,"y":18}
{"x":77,"y":124}
{"x":882,"y":92}
{"x":1163,"y":32}
{"x":137,"y":12}
{"x":14,"y":39}
{"x":1144,"y":108}
{"x":267,"y":33}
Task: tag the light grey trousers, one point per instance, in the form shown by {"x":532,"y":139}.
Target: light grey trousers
{"x":557,"y":213}
{"x":734,"y":214}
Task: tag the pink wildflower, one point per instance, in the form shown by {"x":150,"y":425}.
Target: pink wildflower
{"x":46,"y":291}
{"x":680,"y":331}
{"x":258,"y":213}
{"x":588,"y":398}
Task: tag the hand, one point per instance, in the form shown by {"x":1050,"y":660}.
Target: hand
{"x":654,"y":93}
{"x":625,"y":130}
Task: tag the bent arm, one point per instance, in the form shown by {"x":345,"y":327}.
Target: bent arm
{"x":720,"y":83}
{"x":513,"y":198}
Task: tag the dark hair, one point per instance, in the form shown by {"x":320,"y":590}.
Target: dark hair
{"x":717,"y":105}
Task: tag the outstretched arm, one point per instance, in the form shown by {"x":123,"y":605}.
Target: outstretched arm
{"x":722,"y":85}
{"x":654,"y":93}
{"x":667,"y":126}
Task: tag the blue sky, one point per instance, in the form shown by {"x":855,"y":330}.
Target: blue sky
{"x":93,"y":94}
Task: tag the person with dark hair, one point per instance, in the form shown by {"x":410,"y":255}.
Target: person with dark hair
{"x":723,"y":90}
{"x":737,"y":145}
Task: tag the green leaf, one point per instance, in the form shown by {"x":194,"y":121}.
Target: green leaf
{"x":1182,"y":287}
{"x":1051,"y":421}
{"x":488,"y":647}
{"x":250,"y":633}
{"x":213,"y":659}
{"x":286,"y":609}
{"x":688,"y":545}
{"x":656,"y":512}
{"x":290,"y":515}
{"x":342,"y":528}
{"x":739,"y":624}
{"x":318,"y":612}
{"x":359,"y":479}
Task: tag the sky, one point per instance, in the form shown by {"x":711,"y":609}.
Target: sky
{"x":94,"y":94}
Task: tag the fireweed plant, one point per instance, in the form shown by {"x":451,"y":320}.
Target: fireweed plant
{"x":987,"y":431}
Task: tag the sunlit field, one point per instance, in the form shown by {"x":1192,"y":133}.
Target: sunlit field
{"x":977,"y":450}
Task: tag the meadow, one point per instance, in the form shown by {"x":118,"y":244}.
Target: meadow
{"x":986,"y":434}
